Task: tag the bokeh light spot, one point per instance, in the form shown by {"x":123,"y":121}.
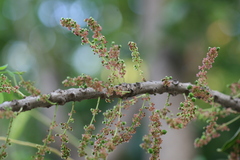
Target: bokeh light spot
{"x":14,"y":9}
{"x":216,"y":36}
{"x":131,"y":75}
{"x":42,"y":39}
{"x":84,"y":61}
{"x":113,"y":18}
{"x":19,"y":56}
{"x":49,"y":9}
{"x":50,"y":12}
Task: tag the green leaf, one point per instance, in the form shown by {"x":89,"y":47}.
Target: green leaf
{"x":20,"y":124}
{"x":228,"y":146}
{"x":3,"y":67}
{"x":1,"y":98}
{"x":11,"y":74}
{"x":19,"y":73}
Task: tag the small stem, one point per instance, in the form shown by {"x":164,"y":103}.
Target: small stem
{"x":184,"y":95}
{"x":167,"y":101}
{"x":45,"y":120}
{"x":29,"y":144}
{"x":70,"y":116}
{"x":7,"y":139}
{"x":119,"y":113}
{"x":231,"y":121}
{"x":237,"y":96}
{"x":93,"y":118}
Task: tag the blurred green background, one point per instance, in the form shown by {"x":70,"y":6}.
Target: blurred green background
{"x":180,"y":31}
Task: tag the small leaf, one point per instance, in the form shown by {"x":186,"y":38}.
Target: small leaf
{"x":11,"y":74}
{"x":19,"y":124}
{"x":19,"y":73}
{"x":228,"y":146}
{"x":3,"y":67}
{"x":1,"y":98}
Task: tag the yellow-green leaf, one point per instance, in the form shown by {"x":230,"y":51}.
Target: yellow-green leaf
{"x":3,"y":67}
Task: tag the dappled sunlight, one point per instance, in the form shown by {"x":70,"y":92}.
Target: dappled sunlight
{"x":84,"y":61}
{"x":19,"y":56}
{"x":217,"y":33}
{"x":50,"y":12}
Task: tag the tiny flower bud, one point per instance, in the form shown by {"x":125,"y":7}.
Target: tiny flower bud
{"x":164,"y":131}
{"x":123,"y":123}
{"x":181,"y":104}
{"x":191,"y":95}
{"x":193,"y":99}
{"x":150,"y":150}
{"x":189,"y":87}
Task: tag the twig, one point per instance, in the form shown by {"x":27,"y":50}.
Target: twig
{"x":61,"y":97}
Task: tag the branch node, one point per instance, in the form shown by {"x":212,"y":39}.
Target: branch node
{"x":72,"y":95}
{"x":175,"y":82}
{"x":138,"y":85}
{"x":15,"y":102}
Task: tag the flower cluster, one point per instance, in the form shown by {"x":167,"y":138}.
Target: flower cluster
{"x":43,"y":149}
{"x":30,"y":88}
{"x":65,"y":150}
{"x":6,"y":85}
{"x":110,"y":58}
{"x":84,"y":81}
{"x":211,"y":116}
{"x":187,"y":109}
{"x":136,"y":58}
{"x":206,"y":65}
{"x":152,"y":141}
{"x":3,"y":147}
{"x":186,"y":115}
{"x":200,"y":90}
{"x":235,"y":88}
{"x":50,"y":138}
{"x":76,"y":29}
{"x":211,"y":131}
{"x":114,"y":133}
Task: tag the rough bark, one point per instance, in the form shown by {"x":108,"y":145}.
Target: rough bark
{"x":61,"y":97}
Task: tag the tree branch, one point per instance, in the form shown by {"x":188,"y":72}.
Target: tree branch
{"x":61,"y":97}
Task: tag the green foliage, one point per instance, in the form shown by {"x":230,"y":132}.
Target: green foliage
{"x":231,"y":144}
{"x":3,"y":67}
